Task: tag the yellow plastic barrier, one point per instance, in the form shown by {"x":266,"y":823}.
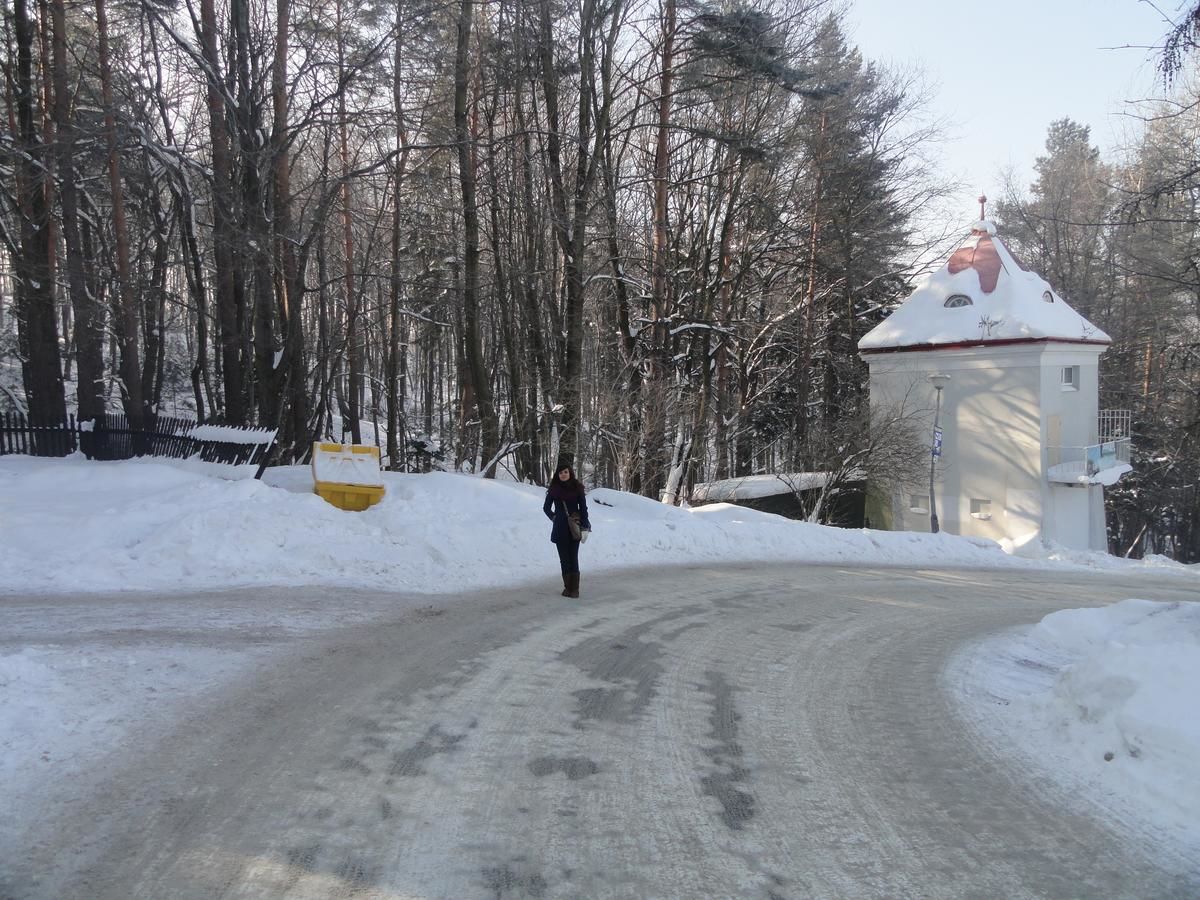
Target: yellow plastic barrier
{"x":347,"y":475}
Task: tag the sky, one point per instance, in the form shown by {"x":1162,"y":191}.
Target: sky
{"x":78,"y":676}
{"x":1001,"y":73}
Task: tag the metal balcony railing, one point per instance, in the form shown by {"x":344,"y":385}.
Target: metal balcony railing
{"x":1101,"y":463}
{"x":1112,"y":424}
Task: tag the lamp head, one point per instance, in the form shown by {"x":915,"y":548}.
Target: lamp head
{"x":938,"y":380}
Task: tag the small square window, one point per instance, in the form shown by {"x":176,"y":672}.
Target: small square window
{"x":1070,"y":378}
{"x":916,"y":504}
{"x":981,"y":508}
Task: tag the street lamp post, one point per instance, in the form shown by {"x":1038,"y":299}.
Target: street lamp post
{"x":935,"y":450}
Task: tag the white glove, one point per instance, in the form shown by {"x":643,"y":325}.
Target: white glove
{"x":583,"y":535}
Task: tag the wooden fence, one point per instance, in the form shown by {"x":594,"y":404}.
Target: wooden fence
{"x":38,"y":437}
{"x":110,"y":437}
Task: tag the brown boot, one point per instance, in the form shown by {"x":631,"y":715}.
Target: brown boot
{"x":574,"y":585}
{"x":566,"y":591}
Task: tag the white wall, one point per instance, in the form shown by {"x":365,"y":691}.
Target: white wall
{"x":1076,"y":411}
{"x":1068,"y":516}
{"x":1098,"y":534}
{"x":1074,"y":515}
{"x":998,"y":411}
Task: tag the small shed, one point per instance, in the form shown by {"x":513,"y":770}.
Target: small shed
{"x":789,"y":495}
{"x":1006,"y":374}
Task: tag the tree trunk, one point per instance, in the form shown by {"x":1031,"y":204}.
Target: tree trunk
{"x":397,"y":326}
{"x":89,"y":315}
{"x":654,"y":470}
{"x":224,"y":229}
{"x":37,"y":323}
{"x":288,"y":274}
{"x":154,"y":307}
{"x":630,"y":462}
{"x":50,"y":160}
{"x":353,"y":326}
{"x":807,"y":332}
{"x":473,"y":348}
{"x":127,"y":307}
{"x":570,"y":228}
{"x":537,"y":358}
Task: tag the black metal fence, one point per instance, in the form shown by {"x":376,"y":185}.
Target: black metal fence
{"x":110,"y":437}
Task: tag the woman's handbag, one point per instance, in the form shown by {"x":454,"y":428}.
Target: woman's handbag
{"x":573,"y":524}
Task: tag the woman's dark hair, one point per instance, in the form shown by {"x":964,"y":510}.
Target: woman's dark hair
{"x":572,"y":487}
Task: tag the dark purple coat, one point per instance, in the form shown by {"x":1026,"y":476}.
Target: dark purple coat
{"x":560,"y":501}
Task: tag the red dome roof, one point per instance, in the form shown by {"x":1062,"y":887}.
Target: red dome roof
{"x":983,"y":258}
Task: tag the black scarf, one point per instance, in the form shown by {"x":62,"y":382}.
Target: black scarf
{"x":565,"y":490}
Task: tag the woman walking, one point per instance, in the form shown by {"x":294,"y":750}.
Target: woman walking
{"x":566,"y":507}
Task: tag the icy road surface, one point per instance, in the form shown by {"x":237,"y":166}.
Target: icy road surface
{"x":749,"y":732}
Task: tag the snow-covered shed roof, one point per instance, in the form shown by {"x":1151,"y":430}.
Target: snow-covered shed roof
{"x":755,"y":487}
{"x":981,"y":296}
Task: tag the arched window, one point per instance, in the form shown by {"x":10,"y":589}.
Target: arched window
{"x":957,"y":301}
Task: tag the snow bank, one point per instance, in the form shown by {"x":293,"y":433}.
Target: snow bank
{"x":1125,"y":696}
{"x":73,"y":525}
{"x":1102,"y":701}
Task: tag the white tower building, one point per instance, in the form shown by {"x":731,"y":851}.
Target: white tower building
{"x":1024,"y":449}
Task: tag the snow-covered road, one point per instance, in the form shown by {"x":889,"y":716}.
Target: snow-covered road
{"x":733,"y":731}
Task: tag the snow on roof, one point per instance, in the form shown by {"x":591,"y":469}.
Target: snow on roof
{"x":754,"y":487}
{"x":982,"y":295}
